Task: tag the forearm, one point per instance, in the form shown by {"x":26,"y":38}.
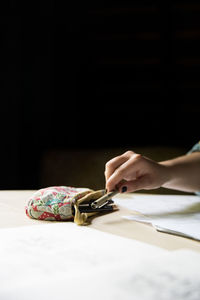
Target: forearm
{"x":183,"y":173}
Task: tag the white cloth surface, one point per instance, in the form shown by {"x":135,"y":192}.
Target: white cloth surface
{"x":64,"y":261}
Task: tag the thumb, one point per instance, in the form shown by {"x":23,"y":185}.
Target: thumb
{"x":134,"y":185}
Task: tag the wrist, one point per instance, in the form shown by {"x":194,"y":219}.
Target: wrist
{"x":169,"y":173}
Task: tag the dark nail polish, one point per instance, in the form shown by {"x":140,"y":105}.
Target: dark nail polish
{"x":124,"y":189}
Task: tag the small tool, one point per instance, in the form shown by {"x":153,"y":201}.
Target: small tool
{"x":105,"y":208}
{"x":103,"y":200}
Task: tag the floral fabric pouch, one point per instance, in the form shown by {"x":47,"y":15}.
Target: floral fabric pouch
{"x":64,"y":203}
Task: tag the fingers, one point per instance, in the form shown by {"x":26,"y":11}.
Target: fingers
{"x":114,"y":163}
{"x":127,"y":171}
{"x":131,"y":172}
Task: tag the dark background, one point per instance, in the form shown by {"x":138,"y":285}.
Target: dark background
{"x":90,"y":75}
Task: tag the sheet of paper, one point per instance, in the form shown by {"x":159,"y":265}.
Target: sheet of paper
{"x":64,"y":261}
{"x":183,"y":225}
{"x":169,"y":213}
{"x":33,"y":254}
{"x":149,"y":204}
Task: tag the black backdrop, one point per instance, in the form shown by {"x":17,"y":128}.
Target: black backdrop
{"x":76,"y":74}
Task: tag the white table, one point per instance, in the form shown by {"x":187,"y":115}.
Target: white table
{"x":12,"y":214}
{"x":113,"y":258}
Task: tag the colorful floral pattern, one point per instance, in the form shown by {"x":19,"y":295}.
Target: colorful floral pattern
{"x":54,"y":203}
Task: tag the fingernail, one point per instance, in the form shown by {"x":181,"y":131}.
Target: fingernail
{"x":124,"y":189}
